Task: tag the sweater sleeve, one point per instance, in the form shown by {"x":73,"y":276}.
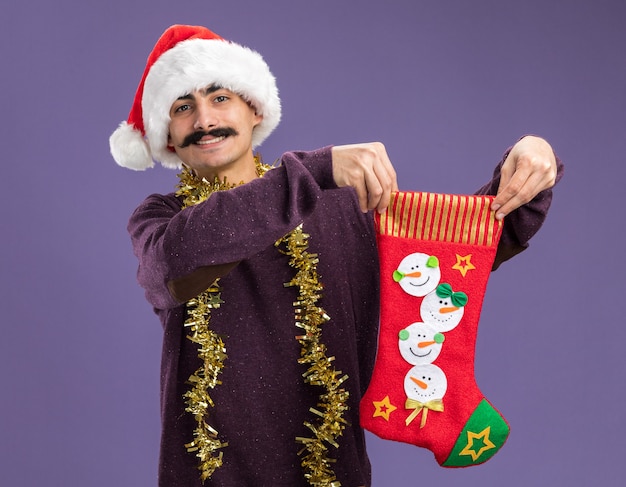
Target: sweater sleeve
{"x":173,"y":244}
{"x":521,"y":224}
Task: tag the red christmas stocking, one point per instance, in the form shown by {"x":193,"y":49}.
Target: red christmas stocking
{"x":436,"y":253}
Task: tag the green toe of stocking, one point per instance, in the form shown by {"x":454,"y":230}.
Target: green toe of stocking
{"x":483,"y":435}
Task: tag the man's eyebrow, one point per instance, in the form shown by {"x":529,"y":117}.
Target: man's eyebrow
{"x":207,"y":91}
{"x":211,"y":89}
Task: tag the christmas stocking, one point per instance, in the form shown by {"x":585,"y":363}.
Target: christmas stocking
{"x":436,"y":253}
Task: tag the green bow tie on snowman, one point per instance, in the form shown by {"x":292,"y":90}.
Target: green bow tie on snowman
{"x":444,"y":290}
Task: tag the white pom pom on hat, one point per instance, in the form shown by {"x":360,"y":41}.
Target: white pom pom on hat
{"x":129,"y":149}
{"x":184,"y":59}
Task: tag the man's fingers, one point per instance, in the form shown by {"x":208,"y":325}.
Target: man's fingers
{"x":388,"y":185}
{"x":367,"y":168}
{"x":529,"y":169}
{"x":386,"y":180}
{"x":522,"y":188}
{"x":506,"y":172}
{"x":389,"y":175}
{"x":374,"y":188}
{"x":361,"y":193}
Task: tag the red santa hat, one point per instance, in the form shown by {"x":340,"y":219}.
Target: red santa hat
{"x":187,"y":58}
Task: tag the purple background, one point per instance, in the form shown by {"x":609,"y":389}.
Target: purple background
{"x":446,"y":85}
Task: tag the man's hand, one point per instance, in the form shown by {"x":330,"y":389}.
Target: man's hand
{"x":529,"y":169}
{"x":367,"y":168}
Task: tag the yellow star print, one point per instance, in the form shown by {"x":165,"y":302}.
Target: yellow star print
{"x":463,"y":264}
{"x":482,"y":437}
{"x":384,"y":408}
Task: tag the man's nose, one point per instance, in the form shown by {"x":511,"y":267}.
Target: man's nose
{"x":205,"y":117}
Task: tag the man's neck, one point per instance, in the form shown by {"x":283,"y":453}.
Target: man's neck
{"x":241,"y":172}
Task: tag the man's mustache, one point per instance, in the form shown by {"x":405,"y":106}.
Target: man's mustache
{"x":196,"y":136}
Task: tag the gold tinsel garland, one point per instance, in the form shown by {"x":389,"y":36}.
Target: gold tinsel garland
{"x":333,"y":402}
{"x":211,"y":348}
{"x":212,"y":352}
{"x":329,"y":424}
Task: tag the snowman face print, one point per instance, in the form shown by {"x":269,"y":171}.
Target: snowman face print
{"x":418,"y":274}
{"x":420,"y":343}
{"x":443,"y":308}
{"x":425,"y":383}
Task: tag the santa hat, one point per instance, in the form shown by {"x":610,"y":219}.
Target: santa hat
{"x":187,"y":58}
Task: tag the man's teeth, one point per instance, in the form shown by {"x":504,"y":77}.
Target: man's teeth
{"x":211,"y":141}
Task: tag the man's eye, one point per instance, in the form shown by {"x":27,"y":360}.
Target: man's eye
{"x":182,"y":108}
{"x":221,"y":98}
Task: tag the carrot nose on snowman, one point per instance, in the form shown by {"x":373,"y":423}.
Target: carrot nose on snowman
{"x":437,"y":339}
{"x":398,"y":275}
{"x":420,"y":383}
{"x":448,"y":309}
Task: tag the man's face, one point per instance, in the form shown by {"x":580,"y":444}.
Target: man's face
{"x":211,"y":132}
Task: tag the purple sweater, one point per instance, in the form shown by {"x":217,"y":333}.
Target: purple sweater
{"x":263,"y":401}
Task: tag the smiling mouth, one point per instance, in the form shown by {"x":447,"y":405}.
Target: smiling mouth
{"x":425,"y":395}
{"x":439,"y":318}
{"x":420,"y":285}
{"x":211,"y":141}
{"x":418,"y":355}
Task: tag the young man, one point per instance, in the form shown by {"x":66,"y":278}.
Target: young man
{"x":235,"y":405}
